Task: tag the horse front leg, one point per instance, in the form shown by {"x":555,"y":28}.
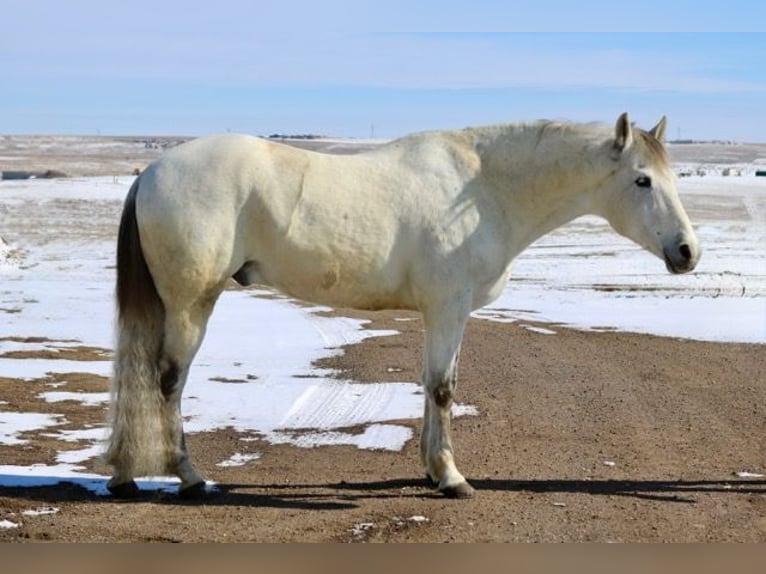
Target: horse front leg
{"x":443,"y":334}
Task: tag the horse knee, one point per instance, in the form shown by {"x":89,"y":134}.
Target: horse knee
{"x":442,"y":396}
{"x":442,"y":393}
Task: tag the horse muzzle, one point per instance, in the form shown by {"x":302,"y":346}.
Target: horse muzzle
{"x":682,"y":257}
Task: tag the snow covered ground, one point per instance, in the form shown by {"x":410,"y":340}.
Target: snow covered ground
{"x":255,"y":370}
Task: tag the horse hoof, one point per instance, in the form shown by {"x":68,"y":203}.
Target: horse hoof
{"x":462,"y":490}
{"x":123,"y":490}
{"x":430,"y":481}
{"x":197,"y":491}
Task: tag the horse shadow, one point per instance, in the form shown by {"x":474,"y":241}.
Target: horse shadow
{"x":52,"y":490}
{"x":346,"y":495}
{"x":682,"y":491}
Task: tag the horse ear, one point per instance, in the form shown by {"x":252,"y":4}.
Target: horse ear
{"x":623,"y":133}
{"x":658,"y":131}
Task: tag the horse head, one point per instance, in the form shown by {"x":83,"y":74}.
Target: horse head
{"x":641,"y":201}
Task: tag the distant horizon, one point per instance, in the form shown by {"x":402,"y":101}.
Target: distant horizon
{"x":314,"y":137}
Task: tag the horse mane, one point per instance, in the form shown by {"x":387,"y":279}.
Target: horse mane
{"x":647,"y":145}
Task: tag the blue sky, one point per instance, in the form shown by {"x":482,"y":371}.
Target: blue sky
{"x":382,"y":68}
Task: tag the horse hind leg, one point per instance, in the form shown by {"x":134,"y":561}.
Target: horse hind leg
{"x":161,"y":321}
{"x":147,"y":437}
{"x":184,"y":331}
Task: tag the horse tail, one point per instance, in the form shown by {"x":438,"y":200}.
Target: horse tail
{"x":139,"y":444}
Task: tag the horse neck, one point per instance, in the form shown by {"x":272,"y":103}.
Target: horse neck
{"x":544,"y":175}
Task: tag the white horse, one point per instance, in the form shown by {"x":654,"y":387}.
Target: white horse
{"x":429,"y":222}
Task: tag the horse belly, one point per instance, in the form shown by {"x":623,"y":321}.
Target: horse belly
{"x":357,"y":280}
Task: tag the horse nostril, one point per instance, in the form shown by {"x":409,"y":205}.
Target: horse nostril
{"x":685,"y":251}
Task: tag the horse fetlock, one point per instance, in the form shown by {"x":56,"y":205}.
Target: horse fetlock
{"x":451,"y":483}
{"x":444,"y":475}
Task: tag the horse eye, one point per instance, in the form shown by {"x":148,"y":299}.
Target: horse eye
{"x":644,"y":181}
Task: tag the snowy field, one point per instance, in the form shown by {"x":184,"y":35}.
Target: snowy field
{"x":255,"y":372}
